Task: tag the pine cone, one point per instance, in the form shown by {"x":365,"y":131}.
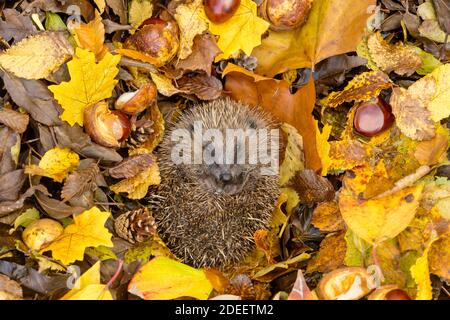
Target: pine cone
{"x":247,"y":62}
{"x":140,"y":134}
{"x":241,"y":286}
{"x":136,"y":225}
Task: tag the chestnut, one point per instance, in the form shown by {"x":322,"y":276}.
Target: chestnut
{"x":219,"y":11}
{"x":41,"y":233}
{"x":285,"y":14}
{"x":157,"y":38}
{"x":372,"y":117}
{"x":106,"y":127}
{"x":389,"y":292}
{"x":135,"y":102}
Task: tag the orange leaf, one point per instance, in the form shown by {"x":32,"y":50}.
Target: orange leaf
{"x":136,"y":55}
{"x":91,"y":36}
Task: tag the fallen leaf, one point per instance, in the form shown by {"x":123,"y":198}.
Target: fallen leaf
{"x":90,"y":82}
{"x":294,"y":158}
{"x":241,"y":32}
{"x":191,"y":24}
{"x":311,"y":187}
{"x":204,"y":50}
{"x":10,"y":185}
{"x":16,"y":26}
{"x":323,"y":147}
{"x":10,"y":289}
{"x":333,"y":27}
{"x":38,"y":56}
{"x":380,"y":219}
{"x":327,"y":218}
{"x":91,"y":36}
{"x":138,"y":12}
{"x":79,"y":182}
{"x":431,"y":152}
{"x":331,"y":254}
{"x":162,"y":278}
{"x":439,"y":257}
{"x":202,"y":86}
{"x":89,"y":287}
{"x":88,"y":230}
{"x":15,"y":120}
{"x":131,"y":166}
{"x":56,"y":163}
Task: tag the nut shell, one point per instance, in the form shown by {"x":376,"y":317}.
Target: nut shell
{"x":285,"y":14}
{"x":106,"y":127}
{"x":388,"y":292}
{"x":41,"y":232}
{"x":351,"y":283}
{"x":157,"y":38}
{"x":137,"y":101}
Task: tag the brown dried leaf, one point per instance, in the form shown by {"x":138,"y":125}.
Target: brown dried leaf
{"x":201,"y":85}
{"x":131,"y":166}
{"x":15,"y":120}
{"x":398,"y":57}
{"x":10,"y":185}
{"x":16,"y":26}
{"x":8,"y":140}
{"x":327,"y":217}
{"x":411,"y":114}
{"x":331,"y":254}
{"x":9,"y":289}
{"x":79,"y":182}
{"x":204,"y":51}
{"x":311,"y":187}
{"x":55,"y":208}
{"x":362,"y":87}
{"x":7,"y":207}
{"x":431,"y":152}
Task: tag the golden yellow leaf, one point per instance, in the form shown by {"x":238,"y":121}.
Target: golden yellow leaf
{"x":432,"y":151}
{"x":241,"y":32}
{"x":323,"y":146}
{"x":90,"y":82}
{"x":137,"y":186}
{"x":333,"y":27}
{"x":331,"y":254}
{"x":439,"y":257}
{"x":438,"y":104}
{"x":91,"y":36}
{"x":294,"y":159}
{"x":88,"y":230}
{"x":164,"y":85}
{"x":38,"y":56}
{"x":56,"y":163}
{"x":162,"y":278}
{"x":138,"y":12}
{"x":380,"y":219}
{"x":188,"y":17}
{"x":327,"y":218}
{"x":101,"y":5}
{"x":88,"y":286}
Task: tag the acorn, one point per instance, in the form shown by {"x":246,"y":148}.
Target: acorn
{"x":389,"y":292}
{"x":41,"y":233}
{"x":107,"y":128}
{"x":373,"y":117}
{"x":285,"y":14}
{"x":219,"y":11}
{"x":156,"y":38}
{"x":137,"y":101}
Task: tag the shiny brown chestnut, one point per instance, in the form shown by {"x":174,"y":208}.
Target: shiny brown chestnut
{"x":285,"y":14}
{"x":104,"y":126}
{"x":372,"y":117}
{"x":219,"y":11}
{"x":137,"y":101}
{"x":389,"y":292}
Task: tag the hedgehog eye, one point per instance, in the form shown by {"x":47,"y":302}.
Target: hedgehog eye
{"x":191,"y":128}
{"x":252,"y":124}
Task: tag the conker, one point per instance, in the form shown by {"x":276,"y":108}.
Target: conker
{"x":156,"y":38}
{"x":389,"y":292}
{"x":135,"y":102}
{"x":219,"y":11}
{"x":41,"y":233}
{"x":372,"y":117}
{"x":285,"y":14}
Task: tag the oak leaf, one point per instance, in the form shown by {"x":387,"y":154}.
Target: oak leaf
{"x":90,"y":82}
{"x":56,"y":163}
{"x":88,"y":230}
{"x":162,"y":278}
{"x":89,"y":287}
{"x":241,"y":32}
{"x":38,"y":56}
{"x":333,"y":27}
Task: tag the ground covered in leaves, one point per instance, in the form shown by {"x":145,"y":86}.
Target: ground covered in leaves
{"x":86,"y":91}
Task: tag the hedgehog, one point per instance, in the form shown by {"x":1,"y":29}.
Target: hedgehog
{"x":209,"y":210}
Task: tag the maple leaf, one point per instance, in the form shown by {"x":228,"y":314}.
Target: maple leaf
{"x":241,"y":32}
{"x":137,"y":186}
{"x":91,"y":36}
{"x":37,"y":56}
{"x":90,"y":82}
{"x":88,"y":230}
{"x":188,"y":17}
{"x":333,"y":27}
{"x":89,"y":287}
{"x":56,"y":163}
{"x":163,"y":278}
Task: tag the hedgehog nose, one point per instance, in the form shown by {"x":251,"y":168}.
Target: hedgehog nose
{"x":225,"y":177}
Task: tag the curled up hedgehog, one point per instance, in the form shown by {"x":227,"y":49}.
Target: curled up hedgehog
{"x":213,"y":195}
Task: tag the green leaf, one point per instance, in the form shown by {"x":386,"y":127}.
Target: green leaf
{"x":26,"y":218}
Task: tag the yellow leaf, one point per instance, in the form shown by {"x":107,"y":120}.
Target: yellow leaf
{"x":164,"y":85}
{"x":101,"y":5}
{"x":137,"y":186}
{"x":439,"y":257}
{"x":323,"y":146}
{"x":162,"y":278}
{"x":88,"y":287}
{"x":242,"y":32}
{"x":380,"y":219}
{"x":38,"y":56}
{"x":438,"y":105}
{"x":139,"y":11}
{"x":56,"y":163}
{"x":90,"y":82}
{"x":88,"y":230}
{"x":91,"y":36}
{"x":188,"y":17}
{"x":333,"y":27}
{"x":294,"y":158}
